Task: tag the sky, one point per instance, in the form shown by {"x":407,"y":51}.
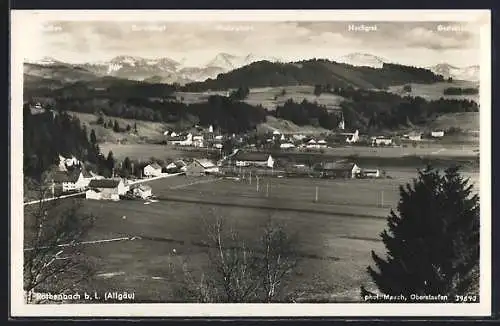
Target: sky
{"x":196,"y":43}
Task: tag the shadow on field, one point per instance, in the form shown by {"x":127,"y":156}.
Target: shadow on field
{"x":284,"y":207}
{"x":203,"y":244}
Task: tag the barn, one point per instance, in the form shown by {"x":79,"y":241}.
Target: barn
{"x":201,"y":167}
{"x":106,"y":189}
{"x":347,"y":170}
{"x":253,"y":159}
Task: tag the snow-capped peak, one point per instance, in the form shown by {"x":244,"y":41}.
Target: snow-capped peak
{"x":44,"y":61}
{"x":470,"y":73}
{"x":224,"y":60}
{"x":362,"y":59}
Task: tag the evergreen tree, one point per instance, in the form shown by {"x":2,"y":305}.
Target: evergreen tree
{"x":433,"y":241}
{"x":128,"y":127}
{"x":116,"y":127}
{"x":100,"y":120}
{"x":127,"y":167}
{"x":318,"y":89}
{"x":93,"y":137}
{"x":110,"y":162}
{"x":135,"y":127}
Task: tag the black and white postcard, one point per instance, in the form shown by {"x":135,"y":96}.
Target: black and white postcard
{"x":332,"y":163}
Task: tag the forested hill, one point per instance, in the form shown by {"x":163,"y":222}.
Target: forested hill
{"x":312,"y":72}
{"x":48,"y":135}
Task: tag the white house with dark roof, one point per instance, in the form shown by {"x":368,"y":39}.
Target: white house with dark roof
{"x":106,"y":189}
{"x":152,"y":170}
{"x":253,"y":159}
{"x":76,"y":180}
{"x":340,"y":169}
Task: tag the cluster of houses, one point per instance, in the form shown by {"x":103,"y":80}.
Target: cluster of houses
{"x":200,"y":139}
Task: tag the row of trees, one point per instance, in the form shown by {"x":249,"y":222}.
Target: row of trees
{"x":460,"y":91}
{"x":307,"y":113}
{"x":50,"y":134}
{"x":315,"y":71}
{"x":115,"y":125}
{"x":229,"y":114}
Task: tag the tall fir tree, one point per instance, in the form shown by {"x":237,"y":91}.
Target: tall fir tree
{"x":432,"y":241}
{"x":110,"y":162}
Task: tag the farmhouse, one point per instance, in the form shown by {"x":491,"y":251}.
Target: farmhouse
{"x":381,"y":141}
{"x":201,"y":167}
{"x":72,"y":181}
{"x":108,"y":189}
{"x":152,"y":170}
{"x":142,"y":191}
{"x":312,"y":144}
{"x":198,"y":140}
{"x":340,"y":170}
{"x":370,"y":173}
{"x":179,"y":140}
{"x":321,"y":143}
{"x":415,"y":136}
{"x":437,"y":134}
{"x":253,"y":159}
{"x":287,"y":145}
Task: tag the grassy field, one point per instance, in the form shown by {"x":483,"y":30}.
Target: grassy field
{"x":334,"y":236}
{"x":146,"y":130}
{"x":435,"y":91}
{"x":271,"y":97}
{"x":467,"y":121}
{"x":285,"y":126}
{"x":145,"y":151}
{"x":432,"y":150}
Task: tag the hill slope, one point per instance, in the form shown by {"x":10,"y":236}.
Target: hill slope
{"x":312,"y":72}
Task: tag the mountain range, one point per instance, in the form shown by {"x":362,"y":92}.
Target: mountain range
{"x":470,"y":73}
{"x":163,"y":70}
{"x":228,"y":70}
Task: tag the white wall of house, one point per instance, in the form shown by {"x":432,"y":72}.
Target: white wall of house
{"x":382,"y":141}
{"x":82,"y":182}
{"x":355,"y":170}
{"x":437,"y":134}
{"x":122,"y":188}
{"x":150,"y":171}
{"x":270,"y":161}
{"x":91,"y":194}
{"x":68,"y":186}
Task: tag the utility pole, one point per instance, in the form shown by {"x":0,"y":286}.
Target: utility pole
{"x":53,"y":189}
{"x":257,"y":177}
{"x":382,"y":199}
{"x":316,"y":198}
{"x":267,"y":189}
{"x":250,"y":177}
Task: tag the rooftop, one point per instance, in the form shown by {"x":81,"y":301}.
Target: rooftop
{"x":104,"y":183}
{"x":338,"y":166}
{"x":251,"y":156}
{"x":205,"y":163}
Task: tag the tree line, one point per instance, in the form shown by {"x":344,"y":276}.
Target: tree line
{"x":460,"y":91}
{"x":50,"y":134}
{"x":315,"y":71}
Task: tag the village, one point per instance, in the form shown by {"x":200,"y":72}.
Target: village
{"x":246,"y":155}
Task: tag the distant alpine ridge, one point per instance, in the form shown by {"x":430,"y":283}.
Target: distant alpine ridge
{"x":167,"y":70}
{"x":164,"y":69}
{"x":470,"y":73}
